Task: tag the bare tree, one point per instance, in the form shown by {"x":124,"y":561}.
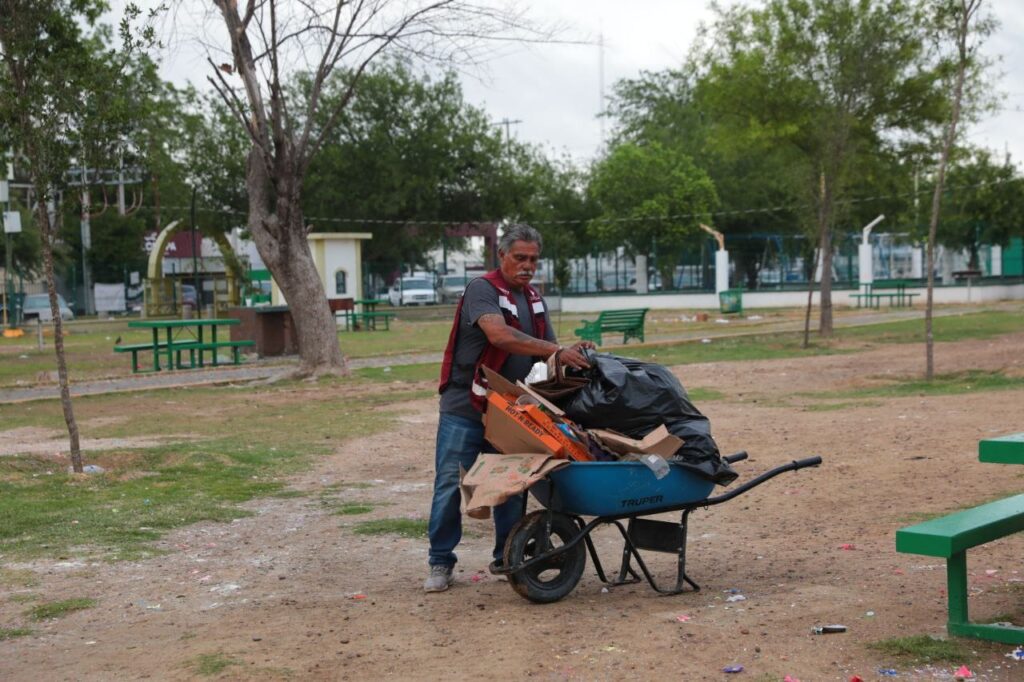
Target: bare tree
{"x":959,"y":20}
{"x":272,"y":44}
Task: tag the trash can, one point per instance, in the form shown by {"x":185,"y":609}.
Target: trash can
{"x":731,"y":301}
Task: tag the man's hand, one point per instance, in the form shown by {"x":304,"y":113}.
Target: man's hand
{"x":572,"y":356}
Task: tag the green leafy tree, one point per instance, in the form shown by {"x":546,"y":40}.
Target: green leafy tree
{"x":58,"y":103}
{"x":960,"y":28}
{"x":825,"y":80}
{"x":557,"y":203}
{"x":983,"y":204}
{"x":667,"y":107}
{"x":652,"y":199}
{"x":410,"y":151}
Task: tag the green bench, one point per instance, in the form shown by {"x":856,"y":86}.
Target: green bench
{"x":213,"y":346}
{"x":178,"y":347}
{"x":871,"y":295}
{"x":136,"y":348}
{"x":630,"y":322}
{"x":951,"y":536}
{"x":355,"y":320}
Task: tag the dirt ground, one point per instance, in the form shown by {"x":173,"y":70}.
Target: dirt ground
{"x":293,"y":593}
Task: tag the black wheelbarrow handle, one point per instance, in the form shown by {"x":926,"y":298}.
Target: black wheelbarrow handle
{"x":754,"y":482}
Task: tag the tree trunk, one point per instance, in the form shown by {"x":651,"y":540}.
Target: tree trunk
{"x":940,"y":181}
{"x":824,"y":220}
{"x":46,"y":231}
{"x":280,"y":238}
{"x":810,"y":302}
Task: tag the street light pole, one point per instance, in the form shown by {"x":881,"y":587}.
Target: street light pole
{"x":195,"y":260}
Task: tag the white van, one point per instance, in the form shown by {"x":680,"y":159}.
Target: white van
{"x":418,"y":290}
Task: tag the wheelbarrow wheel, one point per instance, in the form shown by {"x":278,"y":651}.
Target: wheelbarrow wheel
{"x":552,"y":579}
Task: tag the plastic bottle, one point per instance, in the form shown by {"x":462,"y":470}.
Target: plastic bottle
{"x":657,"y":465}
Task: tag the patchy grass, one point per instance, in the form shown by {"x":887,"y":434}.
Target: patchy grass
{"x":18,"y":577}
{"x":700,"y":395}
{"x":408,"y":373}
{"x":829,"y":407}
{"x":118,"y":517}
{"x":209,"y":665}
{"x":924,"y":649}
{"x":730,"y":349}
{"x":56,"y":609}
{"x":147,"y":492}
{"x":11,"y":633}
{"x":24,"y":597}
{"x":976,"y":325}
{"x":407,"y":528}
{"x":352,"y":509}
{"x":971,"y":381}
{"x":349,"y":485}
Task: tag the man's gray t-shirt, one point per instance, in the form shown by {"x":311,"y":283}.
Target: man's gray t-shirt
{"x":480,"y":299}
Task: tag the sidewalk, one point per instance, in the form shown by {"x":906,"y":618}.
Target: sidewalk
{"x":257,"y":371}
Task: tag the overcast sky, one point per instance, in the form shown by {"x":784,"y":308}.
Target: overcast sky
{"x":554,"y":92}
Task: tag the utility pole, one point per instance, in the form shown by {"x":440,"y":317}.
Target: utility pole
{"x":508,"y":133}
{"x":600,"y":82}
{"x":195,"y":260}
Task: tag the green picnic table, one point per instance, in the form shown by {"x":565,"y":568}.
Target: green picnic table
{"x":368,"y":316}
{"x":192,"y":336}
{"x":1002,"y":450}
{"x":951,"y":536}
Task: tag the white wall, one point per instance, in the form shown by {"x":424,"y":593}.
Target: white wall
{"x":342,"y":255}
{"x":779,"y":299}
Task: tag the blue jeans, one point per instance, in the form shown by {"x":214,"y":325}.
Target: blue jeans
{"x":459,"y":441}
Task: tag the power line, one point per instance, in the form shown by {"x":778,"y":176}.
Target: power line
{"x":581,"y":221}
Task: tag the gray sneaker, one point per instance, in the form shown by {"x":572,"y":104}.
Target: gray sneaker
{"x":439,"y":579}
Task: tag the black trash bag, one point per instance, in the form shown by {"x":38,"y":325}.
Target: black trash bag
{"x":634,"y":398}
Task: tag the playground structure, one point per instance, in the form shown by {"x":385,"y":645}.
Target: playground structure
{"x":162,"y":296}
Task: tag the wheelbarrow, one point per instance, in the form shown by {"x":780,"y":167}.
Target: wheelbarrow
{"x":546,"y":551}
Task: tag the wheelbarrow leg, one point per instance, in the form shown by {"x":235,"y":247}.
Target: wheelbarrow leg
{"x":681,"y":576}
{"x":627,"y":556}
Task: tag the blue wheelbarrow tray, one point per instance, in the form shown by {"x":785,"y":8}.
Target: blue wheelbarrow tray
{"x":615,"y":488}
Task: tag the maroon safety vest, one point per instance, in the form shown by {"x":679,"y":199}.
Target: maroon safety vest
{"x":492,"y":357}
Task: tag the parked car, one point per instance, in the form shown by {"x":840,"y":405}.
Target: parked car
{"x":38,"y":306}
{"x":189,"y":296}
{"x":452,"y":287}
{"x":412,"y":291}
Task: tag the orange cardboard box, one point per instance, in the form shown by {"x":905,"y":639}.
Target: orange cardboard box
{"x":573,"y":449}
{"x":509,"y":429}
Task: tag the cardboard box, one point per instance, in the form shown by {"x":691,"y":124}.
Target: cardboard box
{"x":659,"y":441}
{"x":493,"y":479}
{"x":498,"y":383}
{"x":509,"y":429}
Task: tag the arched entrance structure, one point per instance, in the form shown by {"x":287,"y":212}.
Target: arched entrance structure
{"x":162,"y":295}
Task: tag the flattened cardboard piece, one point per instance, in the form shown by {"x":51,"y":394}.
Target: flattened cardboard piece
{"x":493,"y":479}
{"x":500,"y":384}
{"x":554,"y":409}
{"x":659,"y":442}
{"x":480,"y":513}
{"x":509,"y":430}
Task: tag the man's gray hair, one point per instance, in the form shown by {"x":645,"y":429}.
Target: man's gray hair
{"x":519,"y":232}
